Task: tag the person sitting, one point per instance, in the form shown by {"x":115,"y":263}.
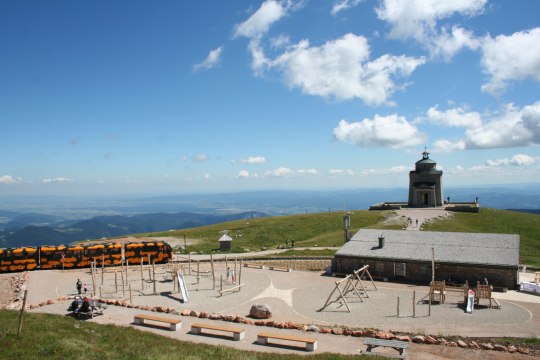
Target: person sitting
{"x":74,"y":305}
{"x":85,"y":307}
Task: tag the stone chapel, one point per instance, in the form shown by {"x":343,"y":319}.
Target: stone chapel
{"x":425,"y":184}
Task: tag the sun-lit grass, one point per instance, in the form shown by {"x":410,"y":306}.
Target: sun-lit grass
{"x":527,"y":226}
{"x":325,"y":229}
{"x":320,"y":229}
{"x":307,"y":252}
{"x":52,"y":337}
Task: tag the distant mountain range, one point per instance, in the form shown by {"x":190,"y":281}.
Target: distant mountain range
{"x":58,"y":220}
{"x":38,"y":229}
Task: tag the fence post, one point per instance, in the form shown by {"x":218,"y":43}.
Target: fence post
{"x":22,"y":312}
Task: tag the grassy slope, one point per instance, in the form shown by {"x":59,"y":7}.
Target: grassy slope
{"x":498,"y":221}
{"x":321,"y":229}
{"x":46,"y":336}
{"x":324,"y":229}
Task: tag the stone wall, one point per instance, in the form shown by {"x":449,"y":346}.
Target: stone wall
{"x":420,"y":272}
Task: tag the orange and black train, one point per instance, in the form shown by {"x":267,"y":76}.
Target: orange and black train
{"x":81,"y":256}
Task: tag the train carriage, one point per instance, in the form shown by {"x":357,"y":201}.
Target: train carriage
{"x":81,"y":256}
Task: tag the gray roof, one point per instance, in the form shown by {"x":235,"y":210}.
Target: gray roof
{"x":225,"y":237}
{"x":450,"y":247}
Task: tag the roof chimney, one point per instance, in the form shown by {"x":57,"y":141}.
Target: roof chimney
{"x":381,"y":241}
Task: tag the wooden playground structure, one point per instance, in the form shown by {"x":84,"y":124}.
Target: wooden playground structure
{"x":352,"y":283}
{"x":126,"y":281}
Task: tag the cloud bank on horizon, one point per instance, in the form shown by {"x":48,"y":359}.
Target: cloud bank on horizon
{"x":314,"y":94}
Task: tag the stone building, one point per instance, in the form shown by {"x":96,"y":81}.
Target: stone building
{"x":407,"y":256}
{"x":225,"y":242}
{"x":425,"y":184}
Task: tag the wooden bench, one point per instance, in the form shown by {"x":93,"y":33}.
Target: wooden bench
{"x":140,"y":318}
{"x":372,"y":343}
{"x":253,"y":265}
{"x":311,"y":344}
{"x":280,"y":268}
{"x":238,"y":333}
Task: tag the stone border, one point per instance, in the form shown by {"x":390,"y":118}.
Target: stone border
{"x":344,"y":331}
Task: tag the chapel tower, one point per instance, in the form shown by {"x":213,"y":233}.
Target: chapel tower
{"x":425,"y":184}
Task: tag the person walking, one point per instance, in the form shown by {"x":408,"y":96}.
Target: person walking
{"x":79,"y":286}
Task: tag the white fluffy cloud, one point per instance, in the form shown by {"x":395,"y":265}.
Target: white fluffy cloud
{"x":212,"y":60}
{"x":340,"y":172}
{"x":341,"y":69}
{"x":243,"y":174}
{"x":259,"y":23}
{"x":56,"y":180}
{"x":516,"y":160}
{"x":251,"y":160}
{"x":199,"y":158}
{"x":456,"y":117}
{"x":417,"y":19}
{"x":507,"y":58}
{"x":8,"y":179}
{"x":341,"y":5}
{"x":387,"y":131}
{"x":392,"y":170}
{"x":513,"y":127}
{"x":286,"y":172}
{"x":448,"y":146}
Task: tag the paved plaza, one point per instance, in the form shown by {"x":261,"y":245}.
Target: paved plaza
{"x":296,"y":297}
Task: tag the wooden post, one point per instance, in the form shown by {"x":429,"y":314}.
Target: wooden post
{"x":429,"y":308}
{"x":127,"y":268}
{"x":100,"y":292}
{"x":154,"y":276}
{"x":142,"y":275}
{"x":221,"y":285}
{"x":22,"y":312}
{"x":198,"y":273}
{"x":432,"y":264}
{"x":123,"y":285}
{"x":226,"y":264}
{"x":130,"y":298}
{"x":240,"y":275}
{"x":398,"y":306}
{"x":414,"y":304}
{"x":213,"y":274}
{"x":94,"y":280}
{"x":149,"y":270}
{"x":235,"y":271}
{"x":115,"y":281}
{"x":189,"y":263}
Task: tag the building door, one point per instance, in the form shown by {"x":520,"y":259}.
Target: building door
{"x":425,"y":199}
{"x":399,"y":270}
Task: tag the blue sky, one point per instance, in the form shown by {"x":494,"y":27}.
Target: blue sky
{"x":150,"y":97}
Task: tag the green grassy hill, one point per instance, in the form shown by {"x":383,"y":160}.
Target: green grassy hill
{"x":325,"y":229}
{"x":527,"y":226}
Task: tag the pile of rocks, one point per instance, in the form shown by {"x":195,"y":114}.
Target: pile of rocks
{"x":12,"y":293}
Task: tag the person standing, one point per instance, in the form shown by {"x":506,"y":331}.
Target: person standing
{"x":79,"y":286}
{"x":85,"y":289}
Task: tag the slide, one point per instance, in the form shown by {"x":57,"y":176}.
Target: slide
{"x":470,"y":302}
{"x":183,"y":288}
